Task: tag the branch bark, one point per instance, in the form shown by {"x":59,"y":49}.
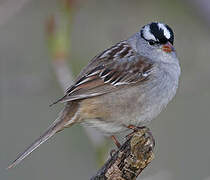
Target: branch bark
{"x":130,"y":159}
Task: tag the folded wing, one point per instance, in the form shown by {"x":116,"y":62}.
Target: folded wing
{"x":117,"y":67}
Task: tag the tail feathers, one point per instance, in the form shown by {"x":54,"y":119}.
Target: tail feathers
{"x":32,"y":147}
{"x":57,"y":125}
{"x":59,"y":100}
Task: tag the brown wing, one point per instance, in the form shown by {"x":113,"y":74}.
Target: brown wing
{"x":117,"y":67}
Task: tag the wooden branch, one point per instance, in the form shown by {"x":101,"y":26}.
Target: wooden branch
{"x":130,"y":159}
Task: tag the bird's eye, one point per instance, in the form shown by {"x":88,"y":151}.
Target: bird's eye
{"x":152,"y":42}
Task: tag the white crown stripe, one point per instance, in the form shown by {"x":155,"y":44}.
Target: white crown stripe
{"x":148,"y":35}
{"x":166,"y":32}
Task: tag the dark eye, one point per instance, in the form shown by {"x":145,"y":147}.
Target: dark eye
{"x":152,"y":42}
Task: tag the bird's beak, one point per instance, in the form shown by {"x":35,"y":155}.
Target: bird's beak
{"x":168,"y":47}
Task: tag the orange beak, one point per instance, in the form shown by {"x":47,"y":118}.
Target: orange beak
{"x":168,"y":47}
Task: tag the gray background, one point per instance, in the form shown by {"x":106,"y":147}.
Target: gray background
{"x":28,"y":85}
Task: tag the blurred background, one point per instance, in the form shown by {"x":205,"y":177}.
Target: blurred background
{"x":35,"y":35}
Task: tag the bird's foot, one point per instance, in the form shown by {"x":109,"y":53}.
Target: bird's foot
{"x":141,"y":128}
{"x":112,"y":152}
{"x":136,"y":128}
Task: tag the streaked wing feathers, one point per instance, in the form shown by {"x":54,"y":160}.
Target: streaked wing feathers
{"x":116,"y":67}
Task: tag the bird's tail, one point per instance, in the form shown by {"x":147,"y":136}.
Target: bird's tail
{"x":59,"y":124}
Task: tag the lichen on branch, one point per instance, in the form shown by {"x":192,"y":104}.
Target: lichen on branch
{"x":130,"y":159}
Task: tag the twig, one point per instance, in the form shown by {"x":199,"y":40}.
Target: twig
{"x":131,"y":158}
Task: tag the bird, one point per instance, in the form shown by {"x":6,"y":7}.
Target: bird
{"x":128,"y":84}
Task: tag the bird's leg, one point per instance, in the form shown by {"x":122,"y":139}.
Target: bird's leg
{"x":117,"y":143}
{"x":112,"y":152}
{"x":136,"y":128}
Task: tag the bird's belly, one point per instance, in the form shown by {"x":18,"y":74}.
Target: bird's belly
{"x":108,"y":128}
{"x":133,"y":107}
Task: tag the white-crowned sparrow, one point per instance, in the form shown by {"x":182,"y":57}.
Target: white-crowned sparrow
{"x":127,"y":84}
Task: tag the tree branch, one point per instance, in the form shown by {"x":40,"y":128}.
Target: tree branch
{"x":130,"y":159}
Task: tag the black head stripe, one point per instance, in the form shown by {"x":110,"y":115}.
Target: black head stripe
{"x":161,"y":33}
{"x":158,"y":33}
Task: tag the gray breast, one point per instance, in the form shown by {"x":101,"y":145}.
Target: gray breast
{"x":158,"y":92}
